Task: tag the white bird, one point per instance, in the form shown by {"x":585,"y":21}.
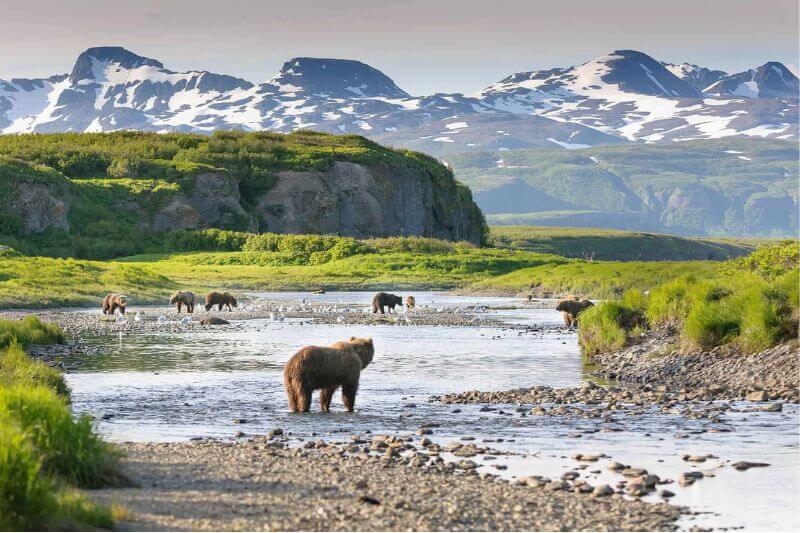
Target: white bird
{"x":121,"y":318}
{"x":137,"y":317}
{"x":162,"y":319}
{"x":340,"y":319}
{"x":186,"y":320}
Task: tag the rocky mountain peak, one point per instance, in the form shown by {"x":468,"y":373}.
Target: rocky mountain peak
{"x":84,"y":68}
{"x":637,"y":72}
{"x":335,"y":77}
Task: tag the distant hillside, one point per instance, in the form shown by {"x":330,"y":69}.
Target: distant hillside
{"x":724,"y":187}
{"x":109,"y":195}
{"x":613,"y":245}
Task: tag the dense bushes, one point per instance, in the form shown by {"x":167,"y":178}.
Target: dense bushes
{"x":205,"y":240}
{"x":752,"y":303}
{"x":43,"y":449}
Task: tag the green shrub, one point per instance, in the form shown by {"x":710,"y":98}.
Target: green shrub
{"x":768,"y":261}
{"x":607,"y":326}
{"x":69,"y":447}
{"x":265,"y":242}
{"x":711,"y":323}
{"x":17,"y":368}
{"x":205,"y":240}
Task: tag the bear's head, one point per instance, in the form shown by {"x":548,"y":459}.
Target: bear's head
{"x":175,"y":298}
{"x":564,"y":305}
{"x":122,"y":300}
{"x":231,"y":300}
{"x":364,"y":348}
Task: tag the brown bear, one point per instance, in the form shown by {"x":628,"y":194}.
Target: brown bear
{"x":384,"y":299}
{"x":411,"y":302}
{"x":326,"y":368}
{"x":571,"y":307}
{"x":181,"y":298}
{"x":220,"y":299}
{"x":114,"y":301}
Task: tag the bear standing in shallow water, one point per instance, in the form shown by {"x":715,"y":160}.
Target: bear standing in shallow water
{"x":114,"y":301}
{"x":220,"y":299}
{"x":384,"y":299}
{"x":571,"y":308}
{"x":184,"y":298}
{"x":326,"y":368}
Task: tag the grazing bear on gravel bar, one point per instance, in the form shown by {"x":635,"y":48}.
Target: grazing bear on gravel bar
{"x":571,"y":307}
{"x":220,"y":299}
{"x":326,"y":368}
{"x":411,"y":302}
{"x":114,"y":301}
{"x":384,"y":299}
{"x":186,"y":298}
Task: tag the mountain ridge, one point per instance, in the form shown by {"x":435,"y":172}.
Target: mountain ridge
{"x":625,"y":96}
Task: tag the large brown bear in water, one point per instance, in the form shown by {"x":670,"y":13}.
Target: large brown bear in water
{"x":571,"y":307}
{"x":220,"y":299}
{"x":326,"y":368}
{"x":186,"y":298}
{"x":384,"y":299}
{"x":411,"y":302}
{"x":114,"y":301}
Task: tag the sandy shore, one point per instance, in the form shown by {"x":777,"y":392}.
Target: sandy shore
{"x":262,"y":485}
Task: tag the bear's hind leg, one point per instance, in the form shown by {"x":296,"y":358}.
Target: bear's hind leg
{"x":303,"y":396}
{"x":326,"y":396}
{"x":349,"y":395}
{"x":567,"y":320}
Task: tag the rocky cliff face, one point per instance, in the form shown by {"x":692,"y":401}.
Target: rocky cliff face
{"x":347,"y":199}
{"x":359,"y":201}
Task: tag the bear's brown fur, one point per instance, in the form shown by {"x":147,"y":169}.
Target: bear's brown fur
{"x":384,"y":299}
{"x":213,"y":321}
{"x":326,"y":368}
{"x":181,"y":298}
{"x":571,"y":307}
{"x":114,"y":301}
{"x":411,"y":302}
{"x":220,"y":299}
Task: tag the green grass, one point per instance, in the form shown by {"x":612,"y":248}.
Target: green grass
{"x":17,"y":367}
{"x":753,"y":308}
{"x":44,"y":450}
{"x":615,"y":245}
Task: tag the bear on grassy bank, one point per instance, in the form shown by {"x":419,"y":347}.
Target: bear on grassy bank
{"x":571,"y":307}
{"x":220,"y":299}
{"x":411,"y":302}
{"x":383,"y":300}
{"x":114,"y":301}
{"x":326,"y":368}
{"x":182,"y":298}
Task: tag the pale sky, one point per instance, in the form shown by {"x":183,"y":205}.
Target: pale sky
{"x":425,"y":46}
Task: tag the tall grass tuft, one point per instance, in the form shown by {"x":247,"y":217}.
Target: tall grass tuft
{"x":29,"y":330}
{"x":26,"y":497}
{"x":17,"y":368}
{"x":607,"y":326}
{"x":69,"y":447}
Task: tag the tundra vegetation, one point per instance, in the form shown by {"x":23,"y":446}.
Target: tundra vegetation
{"x":750,"y":302}
{"x":46,"y":454}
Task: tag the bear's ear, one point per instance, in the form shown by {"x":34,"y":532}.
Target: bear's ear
{"x":352,"y":339}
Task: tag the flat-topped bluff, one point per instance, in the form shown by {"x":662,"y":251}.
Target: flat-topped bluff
{"x":105,"y":195}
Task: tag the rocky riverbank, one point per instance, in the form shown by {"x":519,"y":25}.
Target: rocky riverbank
{"x":723,"y":372}
{"x":261,"y":484}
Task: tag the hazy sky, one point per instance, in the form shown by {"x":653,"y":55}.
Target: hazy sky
{"x":425,"y":46}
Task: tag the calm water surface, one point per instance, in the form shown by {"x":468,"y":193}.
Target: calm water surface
{"x":165,"y":386}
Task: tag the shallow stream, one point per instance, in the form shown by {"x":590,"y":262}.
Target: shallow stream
{"x":163,"y":386}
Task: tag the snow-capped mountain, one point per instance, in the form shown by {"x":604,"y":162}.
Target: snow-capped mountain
{"x":770,"y":80}
{"x":697,"y":77}
{"x":629,"y":94}
{"x":622,"y":97}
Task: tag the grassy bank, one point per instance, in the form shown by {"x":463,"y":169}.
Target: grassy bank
{"x":614,"y":245}
{"x":307,"y":262}
{"x":45,"y":453}
{"x":751,"y":302}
